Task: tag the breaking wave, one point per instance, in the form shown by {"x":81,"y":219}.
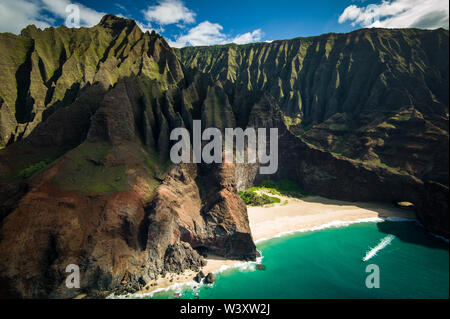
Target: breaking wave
{"x":178,"y":287}
{"x":333,"y":224}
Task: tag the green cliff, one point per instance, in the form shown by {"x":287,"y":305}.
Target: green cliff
{"x":85,"y":121}
{"x":45,"y":70}
{"x":374,"y":95}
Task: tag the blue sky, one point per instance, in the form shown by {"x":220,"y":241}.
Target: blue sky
{"x":206,"y":22}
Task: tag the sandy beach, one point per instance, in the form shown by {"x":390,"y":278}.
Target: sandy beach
{"x":298,"y":214}
{"x":291,"y":215}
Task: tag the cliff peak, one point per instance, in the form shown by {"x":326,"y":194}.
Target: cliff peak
{"x":114,"y":22}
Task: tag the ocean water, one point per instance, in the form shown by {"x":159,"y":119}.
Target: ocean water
{"x":328,"y":264}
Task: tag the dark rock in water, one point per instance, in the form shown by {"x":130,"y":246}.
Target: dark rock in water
{"x":210,"y":278}
{"x":260,"y":267}
{"x":198,"y":278}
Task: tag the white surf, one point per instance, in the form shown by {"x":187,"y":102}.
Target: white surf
{"x":383,"y":243}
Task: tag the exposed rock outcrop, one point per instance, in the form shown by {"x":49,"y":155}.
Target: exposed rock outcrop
{"x":370,"y":108}
{"x":433,"y":208}
{"x":374,"y":95}
{"x":53,"y":66}
{"x":109,"y":200}
{"x":86,"y":121}
{"x":210,"y":278}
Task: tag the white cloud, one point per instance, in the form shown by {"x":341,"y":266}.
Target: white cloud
{"x":248,"y":37}
{"x":121,"y":7}
{"x":88,"y":16}
{"x":207,"y":33}
{"x":16,"y":15}
{"x":169,"y":12}
{"x":425,"y":14}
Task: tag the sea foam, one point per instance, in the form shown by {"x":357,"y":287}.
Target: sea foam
{"x":178,"y":287}
{"x":386,"y":241}
{"x":333,"y":224}
{"x":251,"y":265}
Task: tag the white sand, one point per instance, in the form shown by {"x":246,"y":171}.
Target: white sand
{"x":290,"y":215}
{"x":298,"y":214}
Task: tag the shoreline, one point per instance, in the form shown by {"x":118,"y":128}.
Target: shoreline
{"x":315,"y":213}
{"x":289,"y":217}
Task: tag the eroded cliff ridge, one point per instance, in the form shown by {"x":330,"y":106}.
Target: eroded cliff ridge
{"x":376,"y":97}
{"x":91,"y":183}
{"x":85,"y":120}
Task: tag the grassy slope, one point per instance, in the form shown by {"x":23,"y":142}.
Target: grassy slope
{"x":253,"y":197}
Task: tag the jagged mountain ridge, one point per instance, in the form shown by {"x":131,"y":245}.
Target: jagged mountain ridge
{"x":46,"y":69}
{"x":109,"y":200}
{"x":106,"y":196}
{"x":371,"y":94}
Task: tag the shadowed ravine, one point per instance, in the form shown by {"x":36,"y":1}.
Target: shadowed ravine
{"x":85,"y":121}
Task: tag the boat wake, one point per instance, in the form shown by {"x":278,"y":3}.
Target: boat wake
{"x":383,"y":243}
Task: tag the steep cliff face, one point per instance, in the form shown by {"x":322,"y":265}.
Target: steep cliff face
{"x":92,"y":184}
{"x":45,"y":70}
{"x":86,"y":116}
{"x":375,"y":95}
{"x":371,"y":103}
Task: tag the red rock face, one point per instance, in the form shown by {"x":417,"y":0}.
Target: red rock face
{"x":226,"y":214}
{"x":334,"y":176}
{"x":117,"y":208}
{"x":88,"y":180}
{"x":111,"y":236}
{"x":213,"y":222}
{"x":51,"y":229}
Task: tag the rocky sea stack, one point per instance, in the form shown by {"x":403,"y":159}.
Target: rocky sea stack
{"x":85,"y":121}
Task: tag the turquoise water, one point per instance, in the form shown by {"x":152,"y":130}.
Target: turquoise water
{"x":328,"y":264}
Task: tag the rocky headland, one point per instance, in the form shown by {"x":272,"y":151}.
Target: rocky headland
{"x":85,"y":120}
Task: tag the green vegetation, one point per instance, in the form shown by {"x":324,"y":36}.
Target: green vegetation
{"x":380,"y":164}
{"x":157,"y":164}
{"x":291,"y":121}
{"x":251,"y":198}
{"x":283,"y":187}
{"x":307,"y":125}
{"x":85,"y":170}
{"x":33,"y":169}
